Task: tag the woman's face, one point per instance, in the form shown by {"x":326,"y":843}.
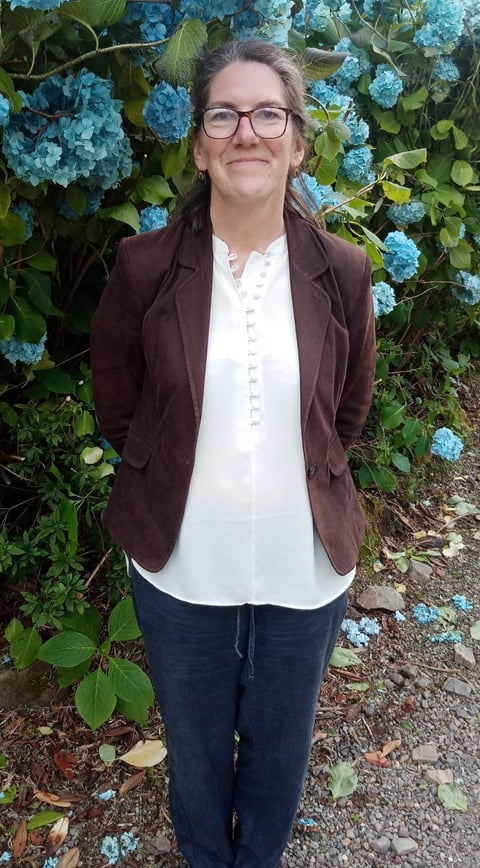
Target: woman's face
{"x":245,"y":169}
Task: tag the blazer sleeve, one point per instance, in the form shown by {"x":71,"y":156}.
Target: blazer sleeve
{"x":358,"y":386}
{"x":117,"y":358}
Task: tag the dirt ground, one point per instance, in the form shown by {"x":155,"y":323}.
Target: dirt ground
{"x":114,"y":813}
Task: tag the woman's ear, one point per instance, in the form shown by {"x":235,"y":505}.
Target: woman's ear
{"x":198,"y":156}
{"x":298,"y":153}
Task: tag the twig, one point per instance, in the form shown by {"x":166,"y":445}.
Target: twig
{"x":98,"y":567}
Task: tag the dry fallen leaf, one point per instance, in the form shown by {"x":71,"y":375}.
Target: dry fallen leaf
{"x":391,"y":745}
{"x":56,"y":836}
{"x":65,"y":762}
{"x":376,"y":758}
{"x":57,"y":801}
{"x":131,"y":782}
{"x":318,"y":736}
{"x":20,"y":839}
{"x":145,"y":754}
{"x":70,"y":859}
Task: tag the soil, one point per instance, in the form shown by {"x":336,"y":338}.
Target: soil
{"x":54,"y":760}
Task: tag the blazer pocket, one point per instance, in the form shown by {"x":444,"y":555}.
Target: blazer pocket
{"x":336,"y":458}
{"x":136,"y":451}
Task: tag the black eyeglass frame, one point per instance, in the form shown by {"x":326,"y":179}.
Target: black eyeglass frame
{"x":288,"y":112}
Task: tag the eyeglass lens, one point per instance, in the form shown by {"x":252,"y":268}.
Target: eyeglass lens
{"x":267,"y":122}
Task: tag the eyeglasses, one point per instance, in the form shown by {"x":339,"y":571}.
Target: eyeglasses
{"x":268,"y":122}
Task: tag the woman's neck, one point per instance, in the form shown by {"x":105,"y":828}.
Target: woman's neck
{"x":244,"y":232}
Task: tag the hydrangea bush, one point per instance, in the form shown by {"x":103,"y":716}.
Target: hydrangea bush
{"x":94,"y":133}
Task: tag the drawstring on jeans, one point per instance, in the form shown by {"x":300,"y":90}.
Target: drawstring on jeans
{"x":251,"y":638}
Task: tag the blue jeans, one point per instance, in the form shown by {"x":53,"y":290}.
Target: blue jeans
{"x":253,"y":670}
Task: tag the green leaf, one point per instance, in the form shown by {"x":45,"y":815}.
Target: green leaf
{"x":153,"y":190}
{"x":122,"y":623}
{"x":13,"y":630}
{"x":441,"y":130}
{"x":88,"y":622}
{"x":392,"y":415}
{"x":76,"y":198}
{"x":342,"y":658}
{"x":460,"y":139}
{"x":461,"y":256}
{"x":411,"y":431}
{"x":475,"y":630}
{"x":462,"y":173}
{"x":173,"y":158}
{"x":129,"y":682}
{"x":91,"y":454}
{"x":5,"y":200}
{"x":95,"y":699}
{"x":387,"y":121}
{"x":401,"y":462}
{"x":407,"y":159}
{"x":132,"y":711}
{"x":96,"y":13}
{"x":12,"y":230}
{"x":69,"y":518}
{"x":67,"y":676}
{"x":342,"y":780}
{"x":8,"y":88}
{"x":452,"y":797}
{"x":414,"y":100}
{"x":58,"y":382}
{"x":102,"y":470}
{"x":395,"y":192}
{"x":9,"y":795}
{"x":67,"y":649}
{"x":107,"y":754}
{"x":39,"y":288}
{"x":30,"y":326}
{"x":123,"y":213}
{"x":84,"y":424}
{"x":319,"y":64}
{"x":44,"y":818}
{"x":43,"y":261}
{"x":25,"y":648}
{"x":358,"y":686}
{"x":7,"y":326}
{"x":178,"y":61}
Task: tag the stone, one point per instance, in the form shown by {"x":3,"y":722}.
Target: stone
{"x":159,"y":844}
{"x":409,"y":670}
{"x":425,"y":753}
{"x":402,"y":846}
{"x":381,"y":845}
{"x":381,"y":597}
{"x":459,"y":688}
{"x":439,"y":776}
{"x":465,"y":657}
{"x":419,"y":572}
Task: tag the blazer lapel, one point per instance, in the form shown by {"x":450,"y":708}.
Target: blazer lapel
{"x":193,"y":302}
{"x":311,"y":303}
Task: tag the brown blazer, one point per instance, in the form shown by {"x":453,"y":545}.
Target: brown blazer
{"x":149,"y":347}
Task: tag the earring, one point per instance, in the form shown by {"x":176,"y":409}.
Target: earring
{"x":201,"y":175}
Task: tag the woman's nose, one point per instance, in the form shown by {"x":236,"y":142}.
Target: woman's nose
{"x":245,"y":131}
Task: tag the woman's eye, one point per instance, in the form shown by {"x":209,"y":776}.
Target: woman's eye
{"x":268,"y":115}
{"x":221,"y":116}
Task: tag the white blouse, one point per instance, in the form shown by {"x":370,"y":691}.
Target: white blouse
{"x":247,"y":535}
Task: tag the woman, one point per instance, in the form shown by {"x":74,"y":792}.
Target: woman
{"x":233,"y":357}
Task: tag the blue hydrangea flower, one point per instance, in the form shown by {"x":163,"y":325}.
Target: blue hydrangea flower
{"x":167,"y":112}
{"x":353,"y":66}
{"x":359,"y":129}
{"x":401,"y":258}
{"x":425,"y":614}
{"x":452,"y":636}
{"x":386,"y":86}
{"x":446,"y":70}
{"x":153,"y":217}
{"x":446,"y":444}
{"x":359,"y":634}
{"x":316,"y":196}
{"x":4,"y":111}
{"x":25,"y":210}
{"x":443,"y":25}
{"x":383,"y":298}
{"x":263,"y":19}
{"x":399,"y":616}
{"x":42,"y":5}
{"x":83,"y":140}
{"x":5,"y":857}
{"x":461,"y":603}
{"x":114,"y":848}
{"x":356,"y":165}
{"x":469,"y":289}
{"x":409,"y":212}
{"x":51,"y":862}
{"x":19,"y":351}
{"x":106,"y":795}
{"x":156,"y":21}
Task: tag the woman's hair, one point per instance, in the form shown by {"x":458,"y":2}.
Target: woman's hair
{"x":195,"y":205}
